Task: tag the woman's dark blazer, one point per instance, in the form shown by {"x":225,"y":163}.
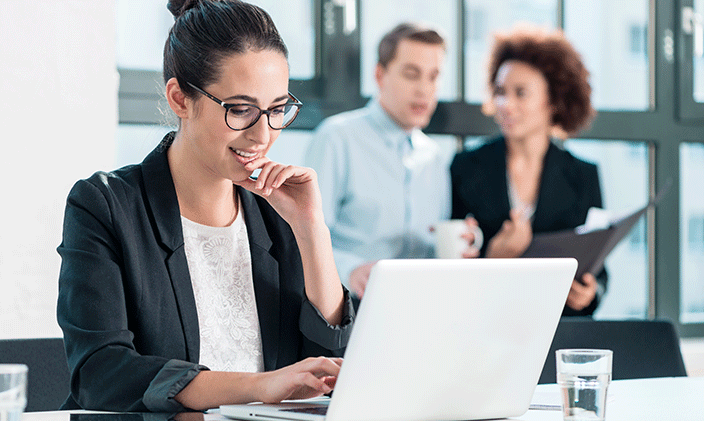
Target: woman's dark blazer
{"x":568,"y":188}
{"x":126,"y":305}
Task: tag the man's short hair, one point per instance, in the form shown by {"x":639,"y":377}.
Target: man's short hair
{"x":410,"y":31}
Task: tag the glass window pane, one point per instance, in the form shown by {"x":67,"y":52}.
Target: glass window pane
{"x":623,"y":172}
{"x":142,"y":28}
{"x":379,"y":17}
{"x":483,"y":19}
{"x":691,"y":233}
{"x":699,"y":62}
{"x":612,"y":38}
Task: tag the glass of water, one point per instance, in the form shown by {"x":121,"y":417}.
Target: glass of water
{"x":584,"y":376}
{"x":13,"y":391}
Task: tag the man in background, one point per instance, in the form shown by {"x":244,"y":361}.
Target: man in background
{"x":384,"y":183}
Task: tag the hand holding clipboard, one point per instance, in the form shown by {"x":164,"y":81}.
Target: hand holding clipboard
{"x":590,"y":248}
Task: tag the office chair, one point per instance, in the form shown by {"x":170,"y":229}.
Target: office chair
{"x":642,"y":348}
{"x":48,"y":376}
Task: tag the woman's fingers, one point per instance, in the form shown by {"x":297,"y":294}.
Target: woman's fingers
{"x":264,"y":184}
{"x":330,"y":381}
{"x":283,"y":174}
{"x":256,"y":164}
{"x":305,"y":379}
{"x":582,"y":293}
{"x":468,"y":236}
{"x":273,"y":175}
{"x":309,"y":381}
{"x":248,"y":184}
{"x":264,"y":177}
{"x":589,"y":280}
{"x":470,"y":253}
{"x":322,"y":366}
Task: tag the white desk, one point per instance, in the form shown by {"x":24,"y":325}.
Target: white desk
{"x":664,"y":399}
{"x":672,"y":398}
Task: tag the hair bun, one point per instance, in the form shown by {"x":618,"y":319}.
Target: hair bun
{"x":179,"y":7}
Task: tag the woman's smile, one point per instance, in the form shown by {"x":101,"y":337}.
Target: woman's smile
{"x":243,"y":156}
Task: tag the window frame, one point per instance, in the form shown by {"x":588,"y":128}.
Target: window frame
{"x":689,"y":111}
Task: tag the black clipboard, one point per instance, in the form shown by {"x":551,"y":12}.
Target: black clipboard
{"x":591,"y":248}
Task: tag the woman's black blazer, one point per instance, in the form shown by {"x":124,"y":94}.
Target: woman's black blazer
{"x":126,"y":304}
{"x":568,"y":188}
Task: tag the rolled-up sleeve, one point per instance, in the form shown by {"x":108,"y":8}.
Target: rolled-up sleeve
{"x":169,"y":381}
{"x":317,"y":329}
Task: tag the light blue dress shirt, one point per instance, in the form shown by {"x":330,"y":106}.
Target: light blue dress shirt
{"x":382,"y":187}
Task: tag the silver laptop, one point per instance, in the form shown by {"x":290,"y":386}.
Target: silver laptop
{"x":441,"y":339}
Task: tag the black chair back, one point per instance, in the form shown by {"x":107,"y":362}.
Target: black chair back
{"x":48,"y":376}
{"x":642,"y":348}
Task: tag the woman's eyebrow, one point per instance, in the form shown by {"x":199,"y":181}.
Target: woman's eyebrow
{"x":247,"y":98}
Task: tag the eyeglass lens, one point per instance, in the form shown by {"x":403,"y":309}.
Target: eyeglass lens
{"x":241,"y":117}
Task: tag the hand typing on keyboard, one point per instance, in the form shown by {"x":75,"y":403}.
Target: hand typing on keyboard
{"x":309,"y":378}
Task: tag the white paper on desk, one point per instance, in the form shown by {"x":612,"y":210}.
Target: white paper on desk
{"x":546,"y":397}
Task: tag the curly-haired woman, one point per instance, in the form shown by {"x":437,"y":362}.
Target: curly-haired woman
{"x":523,"y":182}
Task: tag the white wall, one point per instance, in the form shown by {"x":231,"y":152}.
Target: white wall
{"x":58,"y":117}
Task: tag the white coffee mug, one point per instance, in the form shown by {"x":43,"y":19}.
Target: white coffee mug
{"x":449,"y":243}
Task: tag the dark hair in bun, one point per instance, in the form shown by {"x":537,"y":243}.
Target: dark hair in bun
{"x":207,"y":31}
{"x":177,"y":8}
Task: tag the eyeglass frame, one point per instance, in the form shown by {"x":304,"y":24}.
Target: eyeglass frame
{"x":298,"y":104}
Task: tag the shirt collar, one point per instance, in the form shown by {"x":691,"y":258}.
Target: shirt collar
{"x":389,"y":131}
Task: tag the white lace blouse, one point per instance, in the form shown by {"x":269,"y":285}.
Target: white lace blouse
{"x":220,"y":266}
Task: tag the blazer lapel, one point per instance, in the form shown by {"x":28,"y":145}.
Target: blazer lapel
{"x":161,"y":196}
{"x":556,"y":196}
{"x":265,"y":272}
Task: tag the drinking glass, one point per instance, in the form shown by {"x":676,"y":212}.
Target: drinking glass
{"x":13,"y":391}
{"x":584,"y":376}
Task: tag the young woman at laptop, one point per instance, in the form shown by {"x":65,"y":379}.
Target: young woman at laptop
{"x":185,"y":283}
{"x":524,"y":182}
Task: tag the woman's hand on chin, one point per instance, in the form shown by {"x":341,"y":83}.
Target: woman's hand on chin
{"x":292,"y":191}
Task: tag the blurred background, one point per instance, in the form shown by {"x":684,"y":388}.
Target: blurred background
{"x":81,"y":90}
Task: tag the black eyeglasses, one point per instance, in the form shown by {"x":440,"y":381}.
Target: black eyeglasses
{"x":244,"y":116}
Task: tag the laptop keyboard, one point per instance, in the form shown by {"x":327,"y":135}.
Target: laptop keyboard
{"x":316,"y":410}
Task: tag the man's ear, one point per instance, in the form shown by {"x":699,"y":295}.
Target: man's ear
{"x":379,"y":72}
{"x":176,"y":98}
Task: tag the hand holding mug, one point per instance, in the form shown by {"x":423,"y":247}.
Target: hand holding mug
{"x":458,"y":238}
